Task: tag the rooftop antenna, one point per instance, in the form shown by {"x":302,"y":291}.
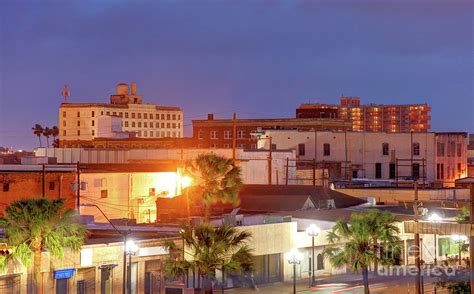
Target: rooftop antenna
{"x":65,"y":92}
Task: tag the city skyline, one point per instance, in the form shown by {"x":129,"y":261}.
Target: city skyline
{"x":259,"y":59}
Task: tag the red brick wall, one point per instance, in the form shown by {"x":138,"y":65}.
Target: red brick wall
{"x":22,"y":185}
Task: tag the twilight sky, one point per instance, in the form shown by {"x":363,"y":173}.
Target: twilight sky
{"x":258,"y":58}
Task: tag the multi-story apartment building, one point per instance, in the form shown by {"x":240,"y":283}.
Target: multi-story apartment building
{"x":372,"y":117}
{"x":374,"y":155}
{"x":219,"y":133}
{"x":124,"y":116}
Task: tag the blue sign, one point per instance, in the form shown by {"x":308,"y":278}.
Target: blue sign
{"x":64,"y":273}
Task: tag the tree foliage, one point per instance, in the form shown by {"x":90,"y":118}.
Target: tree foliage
{"x":209,"y":249}
{"x":367,"y":238}
{"x":217,"y":180}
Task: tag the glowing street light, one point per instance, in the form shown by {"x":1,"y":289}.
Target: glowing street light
{"x":294,"y":257}
{"x":131,"y":249}
{"x":312,"y":231}
{"x":435,"y":218}
{"x":460,"y":239}
{"x":185,"y":181}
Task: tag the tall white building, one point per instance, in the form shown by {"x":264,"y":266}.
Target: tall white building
{"x":433,"y":156}
{"x":126,"y":113}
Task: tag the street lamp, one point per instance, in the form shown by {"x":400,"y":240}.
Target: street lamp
{"x":294,"y":258}
{"x":435,"y":218}
{"x":130,"y":249}
{"x":460,"y":240}
{"x":124,"y":234}
{"x":312,"y":231}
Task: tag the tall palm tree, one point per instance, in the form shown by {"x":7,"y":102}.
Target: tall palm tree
{"x":47,"y":132}
{"x":209,"y":249}
{"x":55,"y":134}
{"x":31,"y":226}
{"x":352,"y":243}
{"x":217,"y":179}
{"x":38,"y":131}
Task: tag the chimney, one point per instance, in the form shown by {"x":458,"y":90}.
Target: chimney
{"x":210,"y":116}
{"x":134,"y":88}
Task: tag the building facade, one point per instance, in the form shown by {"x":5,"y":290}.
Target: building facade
{"x":219,"y":133}
{"x":391,"y":156}
{"x":124,"y":114}
{"x":372,"y":117}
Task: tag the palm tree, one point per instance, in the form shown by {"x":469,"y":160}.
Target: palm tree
{"x":217,"y":179}
{"x":55,"y":134}
{"x":209,"y":249}
{"x":38,"y":131}
{"x":47,"y":132}
{"x":352,"y":243}
{"x":31,"y":226}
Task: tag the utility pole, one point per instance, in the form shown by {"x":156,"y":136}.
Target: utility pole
{"x":270,"y":159}
{"x":234,"y":135}
{"x":471,"y":238}
{"x":78,"y":188}
{"x":43,"y":181}
{"x":417,"y":241}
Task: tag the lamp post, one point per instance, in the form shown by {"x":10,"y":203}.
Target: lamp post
{"x":294,"y":258}
{"x":435,"y":218}
{"x":460,"y":240}
{"x":131,"y":249}
{"x":124,"y":234}
{"x":312,"y":231}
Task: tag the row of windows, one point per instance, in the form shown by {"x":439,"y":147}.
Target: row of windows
{"x":151,"y":125}
{"x":6,"y":186}
{"x":138,"y":115}
{"x":453,"y":149}
{"x":151,"y":134}
{"x":302,"y":149}
{"x":227,"y":134}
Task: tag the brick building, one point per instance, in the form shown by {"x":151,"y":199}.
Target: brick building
{"x":372,"y":117}
{"x":219,"y":133}
{"x":28,"y":181}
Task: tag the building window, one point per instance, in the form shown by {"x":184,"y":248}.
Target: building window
{"x":162,"y":125}
{"x":126,"y":114}
{"x":459,"y":150}
{"x":416,"y":148}
{"x":168,"y":125}
{"x":139,"y":124}
{"x":64,"y":132}
{"x":151,"y":124}
{"x":385,"y":148}
{"x":415,"y":170}
{"x":459,"y":168}
{"x":174,"y":116}
{"x":93,"y":123}
{"x":78,"y":132}
{"x":391,"y":172}
{"x":145,"y":116}
{"x":226,"y":145}
{"x":173,"y":125}
{"x":227,"y":134}
{"x":440,"y":171}
{"x":451,"y":149}
{"x":64,"y":113}
{"x":139,"y":115}
{"x":213,"y":145}
{"x":126,"y":124}
{"x":121,"y":114}
{"x":378,"y":170}
{"x":78,"y":114}
{"x":168,"y":134}
{"x":93,"y":113}
{"x":241,"y":134}
{"x":162,"y":116}
{"x":6,"y":187}
{"x":114,"y":113}
{"x":78,"y":123}
{"x":51,"y":185}
{"x":301,"y":149}
{"x":327,"y":149}
{"x":145,"y":134}
{"x":213,"y":135}
{"x":241,"y":145}
{"x":133,"y":124}
{"x":64,"y":123}
{"x":253,"y":146}
{"x":108,"y":113}
{"x":168,"y":116}
{"x":133,"y":115}
{"x":145,"y":125}
{"x":440,"y":149}
{"x":200,"y":135}
{"x":93,"y":132}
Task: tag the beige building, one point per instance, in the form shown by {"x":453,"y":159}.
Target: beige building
{"x":124,"y":116}
{"x":435,"y":157}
